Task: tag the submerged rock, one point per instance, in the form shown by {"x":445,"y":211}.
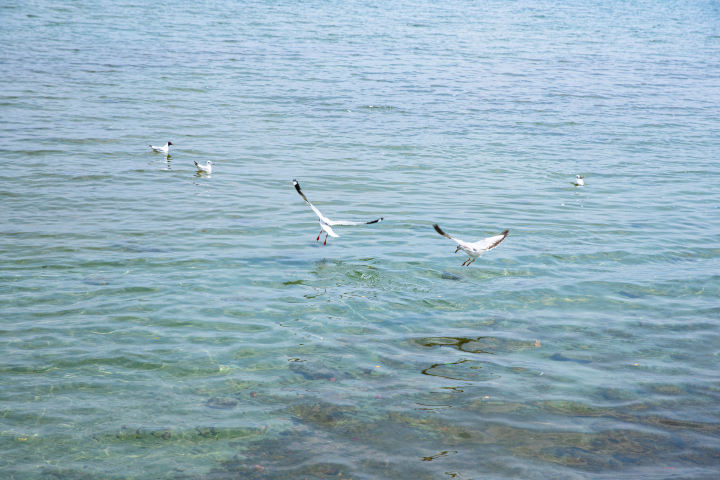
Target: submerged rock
{"x":221,"y":403}
{"x":313,"y":371}
{"x":452,"y":276}
{"x":562,"y":358}
{"x":627,"y":294}
{"x":96,"y":280}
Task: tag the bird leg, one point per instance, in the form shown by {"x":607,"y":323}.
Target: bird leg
{"x":474,"y":258}
{"x":318,"y":239}
{"x":467,"y":261}
{"x":325,"y":239}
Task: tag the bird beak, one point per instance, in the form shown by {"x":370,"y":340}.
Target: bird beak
{"x":456,"y":250}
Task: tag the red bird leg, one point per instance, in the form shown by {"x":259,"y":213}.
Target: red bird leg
{"x":318,"y":239}
{"x":325,"y":239}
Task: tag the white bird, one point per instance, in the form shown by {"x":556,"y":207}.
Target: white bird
{"x":474,"y":250}
{"x":164,"y":149}
{"x":326,"y":223}
{"x":578,"y":181}
{"x":207,"y":169}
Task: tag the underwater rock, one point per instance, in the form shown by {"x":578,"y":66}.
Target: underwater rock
{"x":476,"y":345}
{"x":221,"y":403}
{"x":133,"y":247}
{"x":164,"y":434}
{"x":562,"y":358}
{"x":96,"y":280}
{"x":565,"y":407}
{"x":324,"y":415}
{"x":452,"y":276}
{"x":206,"y":432}
{"x":313,"y":371}
{"x":616,"y":394}
{"x":664,"y":388}
{"x":238,"y":298}
{"x":629,"y":294}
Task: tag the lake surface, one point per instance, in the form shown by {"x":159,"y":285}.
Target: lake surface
{"x":158,"y":323}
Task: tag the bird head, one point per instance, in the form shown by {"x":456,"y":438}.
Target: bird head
{"x":457,"y":249}
{"x":210,"y":163}
{"x":170,"y":143}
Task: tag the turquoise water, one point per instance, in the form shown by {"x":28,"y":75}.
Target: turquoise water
{"x":160,"y":323}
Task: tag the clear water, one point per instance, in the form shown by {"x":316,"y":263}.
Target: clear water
{"x":158,"y":323}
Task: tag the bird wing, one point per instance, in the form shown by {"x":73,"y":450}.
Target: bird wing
{"x":328,"y":230}
{"x":439,"y":230}
{"x":317,"y":212}
{"x":330,"y":222}
{"x":204,"y":169}
{"x":491,"y":242}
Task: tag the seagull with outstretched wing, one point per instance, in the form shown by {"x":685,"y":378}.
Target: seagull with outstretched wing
{"x":326,"y":223}
{"x":474,"y":250}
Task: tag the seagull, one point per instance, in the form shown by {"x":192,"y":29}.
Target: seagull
{"x":206,"y":169}
{"x":164,"y":149}
{"x":578,"y":181}
{"x":326,"y":223}
{"x":476,"y":249}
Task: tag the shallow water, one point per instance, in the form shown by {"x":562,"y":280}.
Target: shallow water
{"x":160,"y":323}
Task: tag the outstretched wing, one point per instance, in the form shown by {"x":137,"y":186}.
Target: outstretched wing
{"x":326,"y":228}
{"x":492,"y":242}
{"x":330,"y":222}
{"x":439,"y":230}
{"x":317,"y":212}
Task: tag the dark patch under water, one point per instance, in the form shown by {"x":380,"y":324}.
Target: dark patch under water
{"x":562,"y":358}
{"x":323,"y":435}
{"x":313,"y":371}
{"x":97,"y":280}
{"x":627,"y":294}
{"x":452,"y":276}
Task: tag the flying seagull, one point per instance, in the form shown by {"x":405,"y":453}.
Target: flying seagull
{"x":326,"y":223}
{"x":164,"y":149}
{"x":476,"y":249}
{"x":578,"y":181}
{"x":206,"y":169}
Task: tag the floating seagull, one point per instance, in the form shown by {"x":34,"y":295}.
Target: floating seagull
{"x":578,"y":181}
{"x":326,"y":223}
{"x":207,"y":169}
{"x":476,"y":249}
{"x":164,"y":149}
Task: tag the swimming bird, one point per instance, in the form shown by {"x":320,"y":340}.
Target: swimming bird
{"x":206,"y":169}
{"x":476,"y":249}
{"x":578,"y":181}
{"x":164,"y":149}
{"x":326,"y":223}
